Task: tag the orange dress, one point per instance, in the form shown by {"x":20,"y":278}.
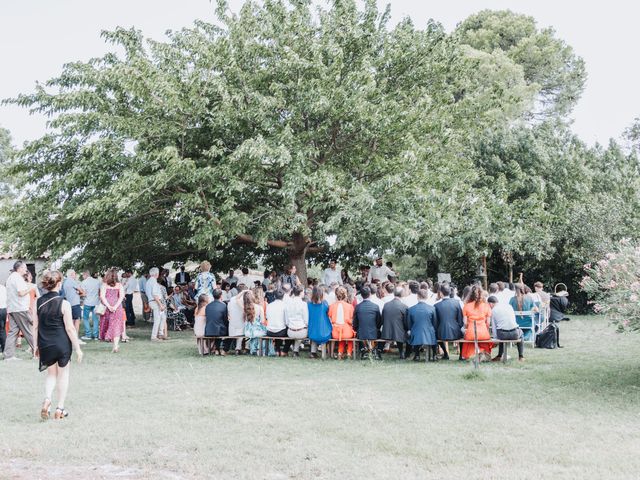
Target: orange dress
{"x":479,"y":315}
{"x":342,"y":327}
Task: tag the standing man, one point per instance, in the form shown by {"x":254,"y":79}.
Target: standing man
{"x":332,"y":274}
{"x":154,"y":294}
{"x":18,"y":303}
{"x":182,"y":277}
{"x":245,"y":279}
{"x":3,"y":316}
{"x":290,"y":277}
{"x":232,"y":279}
{"x":130,"y":288}
{"x":91,"y":287}
{"x":72,"y":292}
{"x":380,"y":272}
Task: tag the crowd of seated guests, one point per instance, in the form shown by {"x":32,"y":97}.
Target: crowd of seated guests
{"x":376,"y":309}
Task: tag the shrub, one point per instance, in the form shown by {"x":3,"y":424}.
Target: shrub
{"x":613,"y":285}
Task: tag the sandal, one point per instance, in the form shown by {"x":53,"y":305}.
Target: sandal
{"x":60,"y":414}
{"x":45,"y":411}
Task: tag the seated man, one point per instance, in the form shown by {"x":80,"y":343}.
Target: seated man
{"x":504,"y":326}
{"x":217,"y":323}
{"x":367,"y":322}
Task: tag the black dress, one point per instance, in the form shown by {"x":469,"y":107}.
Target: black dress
{"x":53,"y":342}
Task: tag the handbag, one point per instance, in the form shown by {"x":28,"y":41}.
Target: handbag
{"x":100,"y":309}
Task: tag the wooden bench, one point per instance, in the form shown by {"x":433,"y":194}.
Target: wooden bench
{"x":332,"y":341}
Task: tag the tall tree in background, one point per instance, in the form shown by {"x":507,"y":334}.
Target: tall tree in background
{"x":547,"y":61}
{"x":274,"y":130}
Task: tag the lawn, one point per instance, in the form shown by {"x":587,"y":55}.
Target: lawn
{"x":160,"y":411}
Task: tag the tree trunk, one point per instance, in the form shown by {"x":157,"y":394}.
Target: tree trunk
{"x":484,"y":267}
{"x":297,"y":257}
{"x":510,"y":272}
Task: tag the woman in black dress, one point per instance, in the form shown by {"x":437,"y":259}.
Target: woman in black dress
{"x":54,"y":337}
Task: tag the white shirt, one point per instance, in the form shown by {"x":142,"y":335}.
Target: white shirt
{"x":378,"y":301}
{"x":296,"y":314}
{"x":332,"y":276}
{"x":504,"y":296}
{"x":153,"y":289}
{"x":246,"y":280}
{"x":132,"y":285}
{"x":331,"y":297}
{"x":380,"y":273}
{"x":410,"y":300}
{"x":503,"y":317}
{"x":16,"y":303}
{"x":91,"y":286}
{"x":3,"y":296}
{"x":275,"y":316}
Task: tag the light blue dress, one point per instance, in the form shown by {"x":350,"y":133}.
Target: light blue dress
{"x":523,"y":320}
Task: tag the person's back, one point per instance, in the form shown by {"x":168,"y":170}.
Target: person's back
{"x":217,"y":321}
{"x":91,"y":287}
{"x":275,"y":316}
{"x":450,"y":320}
{"x":296,"y":313}
{"x":367,"y":320}
{"x":394,"y":321}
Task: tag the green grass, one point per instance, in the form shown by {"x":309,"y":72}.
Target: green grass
{"x":161,"y":411}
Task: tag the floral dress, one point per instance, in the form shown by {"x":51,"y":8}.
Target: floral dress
{"x":205,"y":283}
{"x":112,"y":322}
{"x":255,"y":330}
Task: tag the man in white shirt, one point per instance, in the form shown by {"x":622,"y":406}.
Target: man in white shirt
{"x":374,"y":298}
{"x":380,"y":272}
{"x":412,"y":299}
{"x":504,"y":294}
{"x":277,"y":326}
{"x":3,"y":316}
{"x":130,"y":288}
{"x":154,"y":294}
{"x":332,"y":274}
{"x":245,"y":279}
{"x":18,"y":303}
{"x":91,"y":287}
{"x":504,"y":326}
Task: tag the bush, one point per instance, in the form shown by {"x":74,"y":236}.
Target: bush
{"x":613,"y":285}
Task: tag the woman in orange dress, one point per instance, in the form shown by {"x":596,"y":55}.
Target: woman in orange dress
{"x":341,"y":315}
{"x":476,"y":312}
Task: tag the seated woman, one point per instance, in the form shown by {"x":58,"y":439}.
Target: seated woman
{"x":204,"y":345}
{"x":341,"y":315}
{"x":296,"y":317}
{"x":319,"y":323}
{"x":523,"y":303}
{"x":476,"y":315}
{"x":255,"y":322}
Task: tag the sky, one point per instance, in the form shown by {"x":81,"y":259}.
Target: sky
{"x":38,"y":36}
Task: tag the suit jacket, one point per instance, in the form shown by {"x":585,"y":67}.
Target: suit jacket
{"x":449,"y":316}
{"x":217,"y":320}
{"x":179,"y":281}
{"x":367,"y":320}
{"x":422,"y":322}
{"x":395,"y":323}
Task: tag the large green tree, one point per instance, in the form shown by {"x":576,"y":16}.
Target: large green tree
{"x":271,"y":131}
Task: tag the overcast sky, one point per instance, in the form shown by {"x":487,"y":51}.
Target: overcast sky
{"x":38,"y":36}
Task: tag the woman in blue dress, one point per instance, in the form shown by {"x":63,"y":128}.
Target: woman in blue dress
{"x":523,"y":303}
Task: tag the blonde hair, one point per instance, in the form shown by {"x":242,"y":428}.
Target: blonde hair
{"x":205,"y":266}
{"x":258,"y":294}
{"x":341,"y":294}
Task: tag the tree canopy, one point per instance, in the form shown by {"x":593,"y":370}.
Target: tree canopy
{"x":283,"y":126}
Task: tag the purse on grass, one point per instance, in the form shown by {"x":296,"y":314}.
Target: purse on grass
{"x":100,"y":309}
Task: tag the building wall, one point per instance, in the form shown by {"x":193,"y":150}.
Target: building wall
{"x":7,"y":264}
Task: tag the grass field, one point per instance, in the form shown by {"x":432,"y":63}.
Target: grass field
{"x":160,"y":411}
